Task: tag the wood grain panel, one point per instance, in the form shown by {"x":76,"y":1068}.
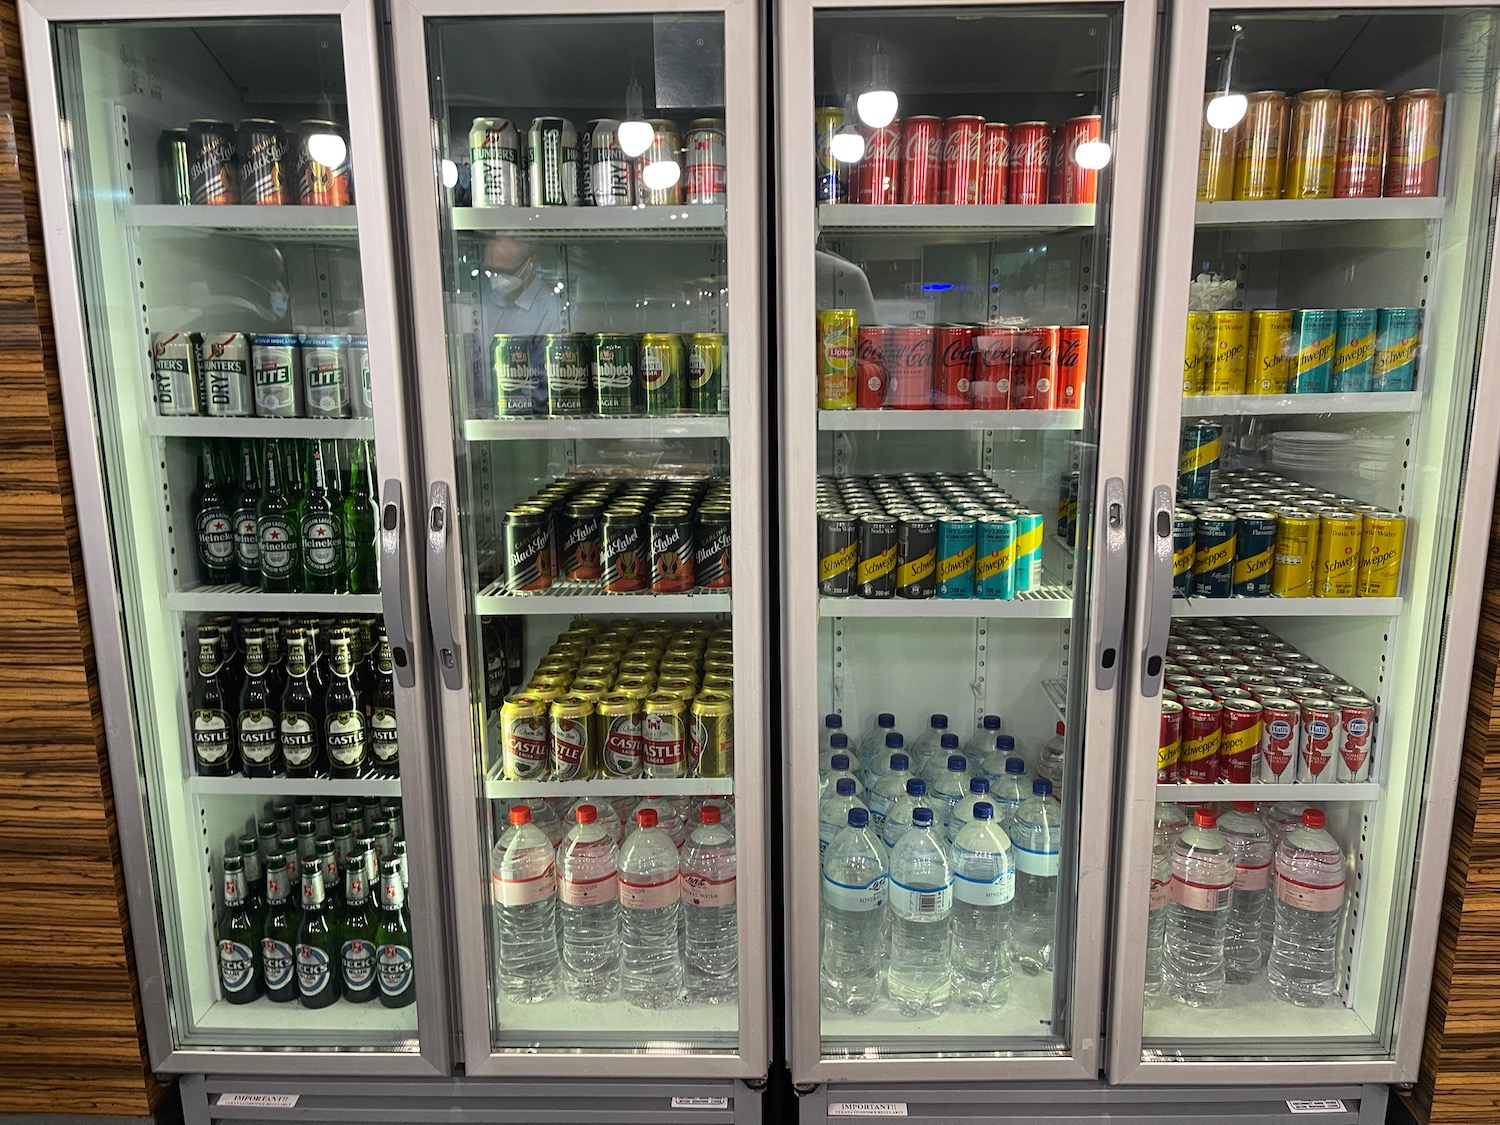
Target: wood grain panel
{"x":70,"y":1027}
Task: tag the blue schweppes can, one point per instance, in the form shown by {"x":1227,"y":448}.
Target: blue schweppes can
{"x":1213,"y":554}
{"x":1314,"y":334}
{"x":1030,"y":530}
{"x":955,"y":557}
{"x":1354,"y":351}
{"x":1398,"y":333}
{"x":1254,"y":551}
{"x":995,"y":558}
{"x":1184,"y":543}
{"x":1198,"y":462}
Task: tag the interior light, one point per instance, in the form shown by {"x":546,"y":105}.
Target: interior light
{"x":877,"y":108}
{"x":636,"y":137}
{"x":1092,"y":154}
{"x":661,"y":174}
{"x":847,"y":146}
{"x":1226,"y":111}
{"x":449,"y":172}
{"x":327,"y":149}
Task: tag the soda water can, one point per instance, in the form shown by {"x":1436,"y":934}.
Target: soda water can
{"x":875,"y":574}
{"x":1254,"y":543}
{"x":1355,"y":739}
{"x":1195,"y":354}
{"x":665,"y":151}
{"x":603,"y":167}
{"x":495,"y":178}
{"x":1339,"y":534}
{"x":837,"y":329}
{"x":174,"y":368}
{"x":1312,"y":145}
{"x":172,"y":166}
{"x":995,"y":557}
{"x":705,"y":158}
{"x":325,"y":374}
{"x":838,"y":553}
{"x":1313,"y":335}
{"x":832,"y":185}
{"x":1184,"y":548}
{"x":515,"y":363}
{"x":359,"y":370}
{"x":1030,"y":530}
{"x":1270,"y":364}
{"x":1354,"y":351}
{"x":662,"y":373}
{"x":1380,"y":551}
{"x":1213,"y":555}
{"x":224,"y":362}
{"x":1281,"y":739}
{"x":1320,"y":723}
{"x":1215,"y":160}
{"x":916,"y":557}
{"x":552,"y":162}
{"x":1239,"y":741}
{"x":1169,"y":743}
{"x":1198,"y":758}
{"x":1198,"y":463}
{"x":1398,"y":332}
{"x":705,"y":372}
{"x":956,"y":538}
{"x":617,"y":383}
{"x":1228,"y":352}
{"x":1260,"y":155}
{"x":1294,"y":568}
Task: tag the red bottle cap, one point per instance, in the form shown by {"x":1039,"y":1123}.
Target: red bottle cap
{"x":586,"y":814}
{"x":1313,"y":818}
{"x":1205,"y":818}
{"x":1244,"y":806}
{"x":709,"y":814}
{"x":646,"y":818}
{"x":520,"y":815}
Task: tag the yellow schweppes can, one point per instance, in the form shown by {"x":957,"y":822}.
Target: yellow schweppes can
{"x":1339,"y":535}
{"x":1228,"y":352}
{"x":1270,"y":363}
{"x":1296,"y":554}
{"x":1195,"y":354}
{"x":1380,"y":552}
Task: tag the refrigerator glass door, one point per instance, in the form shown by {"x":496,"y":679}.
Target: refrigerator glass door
{"x":1308,"y":704}
{"x":219,"y":247}
{"x":584,"y":235}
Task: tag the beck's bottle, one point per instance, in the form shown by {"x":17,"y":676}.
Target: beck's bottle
{"x":357,"y":936}
{"x":393,"y":961}
{"x":318,"y":968}
{"x":239,"y":935}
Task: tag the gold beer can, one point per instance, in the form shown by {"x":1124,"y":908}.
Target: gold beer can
{"x":637,"y":686}
{"x":1228,"y":352}
{"x":1380,"y":553}
{"x":685,"y":686}
{"x":1339,"y":535}
{"x":1215,"y":160}
{"x":592,"y":688}
{"x":1295,"y":555}
{"x":664,"y":735}
{"x":1195,"y":354}
{"x":1270,"y":364}
{"x":1260,"y":155}
{"x":573,"y":738}
{"x":523,"y":737}
{"x":711,"y":741}
{"x":1312,"y":145}
{"x":718,"y":681}
{"x":545,"y":691}
{"x":619,"y":716}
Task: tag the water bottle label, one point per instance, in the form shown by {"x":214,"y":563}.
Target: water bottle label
{"x":1252,"y":877}
{"x":589,"y":892}
{"x":826,"y":833}
{"x":921,"y":902}
{"x":985,"y":892}
{"x":523,"y":892}
{"x":846,"y":896}
{"x":1305,"y":896}
{"x":1030,"y":862}
{"x":1158,"y":893}
{"x":650,"y":896}
{"x":700,"y":890}
{"x":879,"y":806}
{"x":1200,"y":896}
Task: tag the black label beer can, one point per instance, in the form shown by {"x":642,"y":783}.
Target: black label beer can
{"x":624,"y":551}
{"x":581,"y":540}
{"x":672,"y":555}
{"x":711,"y":567}
{"x":213,"y":162}
{"x":263,"y":171}
{"x":528,"y":549}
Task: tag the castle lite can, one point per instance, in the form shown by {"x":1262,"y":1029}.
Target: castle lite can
{"x":995,"y":557}
{"x":277,"y":360}
{"x":519,"y":381}
{"x":1354,"y":351}
{"x":1213,"y":555}
{"x":838,"y":553}
{"x":916,"y":556}
{"x":174,"y":365}
{"x":325,"y":375}
{"x":570,"y":390}
{"x":617,"y":384}
{"x":956,"y":537}
{"x":1254,"y":543}
{"x":1398,"y":332}
{"x":1184,"y":546}
{"x":225,"y":366}
{"x":875,"y":573}
{"x":363,"y":390}
{"x":1314,"y":332}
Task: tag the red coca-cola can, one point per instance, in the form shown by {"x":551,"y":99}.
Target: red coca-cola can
{"x":1281,"y":739}
{"x":879,"y":173}
{"x":908,"y":352}
{"x":994,"y":367}
{"x":953,"y":370}
{"x":1415,"y":131}
{"x":1072,"y":365}
{"x":869,"y":367}
{"x":1169,"y":743}
{"x":994,"y":163}
{"x":1239,"y":739}
{"x":1198,"y":760}
{"x":921,"y":159}
{"x":1320,"y":726}
{"x":1034,"y":384}
{"x":1055,"y":174}
{"x":1030,"y":162}
{"x":1079,"y":184}
{"x":962,"y":141}
{"x":1355,"y":737}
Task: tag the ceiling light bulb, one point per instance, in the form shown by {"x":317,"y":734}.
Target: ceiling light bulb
{"x":877,"y":108}
{"x":636,"y":137}
{"x":1226,"y":111}
{"x":661,"y":174}
{"x":450,"y":173}
{"x":327,"y":149}
{"x":1093,"y":154}
{"x":847,"y":146}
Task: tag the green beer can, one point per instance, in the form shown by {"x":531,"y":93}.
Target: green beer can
{"x":570,"y":390}
{"x":519,"y":390}
{"x":661,"y":373}
{"x":708,"y":389}
{"x":617,"y":375}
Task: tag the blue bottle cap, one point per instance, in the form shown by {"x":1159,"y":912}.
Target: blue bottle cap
{"x":839,"y":762}
{"x":940,"y":721}
{"x":949,"y":742}
{"x":1014,"y":765}
{"x":838,"y":740}
{"x":885,"y":719}
{"x":858,"y":818}
{"x":844,"y":787}
{"x":921,"y":818}
{"x":894,"y":741}
{"x":1006,"y":742}
{"x":992,"y":722}
{"x":899,"y":762}
{"x":916,"y":787}
{"x":983,"y":810}
{"x":833,"y":720}
{"x":1042,"y":787}
{"x":979,"y":785}
{"x":957,"y":762}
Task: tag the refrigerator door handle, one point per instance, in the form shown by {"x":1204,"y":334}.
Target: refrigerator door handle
{"x":393,"y":577}
{"x":1160,"y":620}
{"x":439,"y":604}
{"x":1112,"y":616}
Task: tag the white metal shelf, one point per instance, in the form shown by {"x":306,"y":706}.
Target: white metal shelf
{"x":1286,"y":607}
{"x":497,"y":788}
{"x":1057,"y":692}
{"x":589,"y":597}
{"x":295,"y":786}
{"x":342,"y":429}
{"x":1267,"y":791}
{"x":1371,"y":402}
{"x":567,"y":429}
{"x":692,"y":219}
{"x":246,"y":218}
{"x":1295,"y":211}
{"x":864,"y":218}
{"x":235,"y":598}
{"x":353,"y":1025}
{"x":1049,"y":601}
{"x":945,"y":420}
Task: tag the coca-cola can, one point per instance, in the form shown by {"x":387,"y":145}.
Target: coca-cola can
{"x":1320,"y":727}
{"x":1055,"y":174}
{"x":953,"y":370}
{"x":706,"y":156}
{"x":1281,"y":739}
{"x":994,"y":163}
{"x":1356,"y":737}
{"x":1239,"y":740}
{"x":908,"y":352}
{"x":921,"y":159}
{"x":1169,"y":743}
{"x":1079,"y":184}
{"x":1072,"y":365}
{"x":603,"y":168}
{"x":1198,"y":760}
{"x":878,"y":177}
{"x":1034,"y":384}
{"x":869,"y":367}
{"x":1030,"y":162}
{"x":994,"y":367}
{"x":962,"y":140}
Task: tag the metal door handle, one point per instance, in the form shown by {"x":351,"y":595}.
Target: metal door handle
{"x":1112,"y":609}
{"x":1159,"y":623}
{"x":439,"y":604}
{"x":393,"y":584}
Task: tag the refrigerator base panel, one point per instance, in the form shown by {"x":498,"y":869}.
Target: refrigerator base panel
{"x":579,"y":1022}
{"x":1026,"y":1016}
{"x":362,"y":1024}
{"x":1250,"y":1012}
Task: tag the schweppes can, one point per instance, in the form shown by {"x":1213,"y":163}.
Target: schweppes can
{"x":1313,"y":334}
{"x":1270,"y":363}
{"x":995,"y":558}
{"x":1184,"y":547}
{"x":711,"y":736}
{"x":1380,"y":549}
{"x":1198,"y":463}
{"x":875,"y":574}
{"x":619,"y":716}
{"x":1339,"y":534}
{"x":1195,"y":354}
{"x":838,"y":552}
{"x":1296,"y":554}
{"x":916,"y":557}
{"x":1228,"y":352}
{"x":1398,"y":332}
{"x":1254,"y":543}
{"x":955,"y":556}
{"x":1030,"y":528}
{"x":1213,"y":555}
{"x":1354,"y":351}
{"x":1169,"y":742}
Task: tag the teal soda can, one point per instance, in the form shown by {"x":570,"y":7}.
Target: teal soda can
{"x":1031,"y":528}
{"x":1314,"y":332}
{"x":955,"y":556}
{"x":1398,"y":334}
{"x":995,"y":557}
{"x":1354,"y":351}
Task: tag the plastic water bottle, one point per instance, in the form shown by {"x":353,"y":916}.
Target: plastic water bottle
{"x":833,"y":813}
{"x":881,"y":763}
{"x":919,"y":976}
{"x":712,"y":947}
{"x":898,"y":820}
{"x":1309,"y":903}
{"x":888,"y":790}
{"x":933,"y":769}
{"x":543,"y":816}
{"x":1050,"y":763}
{"x":1192,"y":962}
{"x":669,"y":818}
{"x":1245,"y":936}
{"x":963,"y":811}
{"x":838,"y":767}
{"x":604,"y":814}
{"x":984,"y":885}
{"x":927,"y":742}
{"x":1009,"y":791}
{"x":523,"y":887}
{"x":832,"y":723}
{"x":952,"y":783}
{"x":874,"y":739}
{"x":1156,"y":919}
{"x":1170,"y":821}
{"x":993,"y":762}
{"x":982,"y":741}
{"x":724,"y":804}
{"x":855,"y":875}
{"x":588,"y":892}
{"x":837,"y":744}
{"x":650,"y":910}
{"x":1283,"y":818}
{"x":1036,"y":840}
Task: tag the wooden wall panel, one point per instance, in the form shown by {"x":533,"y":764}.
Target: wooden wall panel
{"x":70,"y":1029}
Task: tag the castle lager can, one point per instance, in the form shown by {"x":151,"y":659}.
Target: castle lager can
{"x":1239,"y":742}
{"x":619,"y":716}
{"x":1198,"y":758}
{"x":1169,"y":743}
{"x":711,"y":738}
{"x":1312,"y":147}
{"x":1260,"y":155}
{"x":707,"y":383}
{"x":664,"y":735}
{"x":1380,"y":551}
{"x":1195,"y":354}
{"x":1339,"y":535}
{"x":1355,"y":739}
{"x":573,"y":738}
{"x":1184,"y":549}
{"x":1354,"y":351}
{"x":1320,"y":722}
{"x":1281,"y":739}
{"x":1270,"y":364}
{"x":523,"y":737}
{"x":916,"y":556}
{"x":1254,"y":543}
{"x":1294,"y":568}
{"x":995,"y":557}
{"x":1314,"y":332}
{"x":1228,"y":352}
{"x":1398,"y":332}
{"x":1213,"y":555}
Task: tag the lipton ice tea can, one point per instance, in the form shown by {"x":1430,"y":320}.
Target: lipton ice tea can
{"x":837,"y":329}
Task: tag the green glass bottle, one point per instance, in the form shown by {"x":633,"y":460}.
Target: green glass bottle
{"x":278,"y":948}
{"x":239,"y":935}
{"x":255,"y":879}
{"x":393,"y":962}
{"x":317,"y":942}
{"x":278,"y":524}
{"x":321,"y":535}
{"x":301,"y":711}
{"x":246,"y":519}
{"x":385,"y":745}
{"x":345,"y":725}
{"x":213,"y":726}
{"x":359,"y":527}
{"x":257,"y":724}
{"x":214,"y":522}
{"x":357,"y":936}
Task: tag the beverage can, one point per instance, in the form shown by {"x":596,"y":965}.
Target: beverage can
{"x":264,"y":175}
{"x":956,"y":539}
{"x":582,"y":543}
{"x":996,"y":356}
{"x":1260,"y":154}
{"x":617,"y":385}
{"x":623,"y":550}
{"x":994,"y":163}
{"x":1382,"y":541}
{"x":1072,"y":365}
{"x":1281,"y":739}
{"x":916,"y":556}
{"x":1355,"y":739}
{"x":1080,"y":184}
{"x":1270,"y":363}
{"x":954,"y":367}
{"x":1294,"y":568}
{"x":1056,"y":173}
{"x":552,"y":162}
{"x":1240,"y":739}
{"x":1216,"y":152}
{"x":1169,"y":743}
{"x":1312,"y":145}
{"x":213,"y":162}
{"x":1030,"y":170}
{"x":325,"y":376}
{"x":1320,"y":721}
{"x":838,"y":553}
{"x":712,"y":548}
{"x":995,"y":557}
{"x":664,"y":153}
{"x":574,"y":741}
{"x":1198,"y":757}
{"x":1195,"y":354}
{"x":1213,"y":555}
{"x":527,"y":532}
{"x":1030,"y":529}
{"x":1034,"y":381}
{"x":1313,"y":334}
{"x":832,"y":175}
{"x":1360,"y":166}
{"x":172,"y":166}
{"x":706,"y":384}
{"x":1354,"y":351}
{"x":324,"y":178}
{"x":619,"y":717}
{"x":1398,"y":333}
{"x":837,"y":331}
{"x":1198,"y":462}
{"x":707,"y":160}
{"x":363,"y":388}
{"x":672,"y":556}
{"x":1228,"y":352}
{"x":664,"y":735}
{"x":174,"y":367}
{"x":963,"y":141}
{"x":662,"y":376}
{"x":875,"y":572}
{"x":517,"y":369}
{"x":921,"y":159}
{"x":907,"y":352}
{"x":1415,"y":145}
{"x":495,"y":178}
{"x":605,"y":174}
{"x":878,"y":174}
{"x":1255,"y":541}
{"x":1339,"y":534}
{"x":1184,"y":550}
{"x":224,"y":367}
{"x":711,"y":739}
{"x":523,"y":738}
{"x":565,"y":370}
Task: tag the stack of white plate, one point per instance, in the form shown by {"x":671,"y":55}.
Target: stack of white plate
{"x":1329,"y":460}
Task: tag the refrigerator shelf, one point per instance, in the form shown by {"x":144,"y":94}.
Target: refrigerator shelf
{"x":1267,"y":791}
{"x":498,"y":789}
{"x":1371,"y":402}
{"x":589,"y":597}
{"x":1286,"y":607}
{"x":1049,"y":601}
{"x":649,"y":1027}
{"x":701,"y":220}
{"x":356,"y":1024}
{"x":568,"y":429}
{"x":235,"y":598}
{"x":949,"y":420}
{"x":295,"y":786}
{"x":1253,"y":1015}
{"x":1028,"y":1014}
{"x":247,"y":218}
{"x":1277,"y":212}
{"x":339,"y":429}
{"x":909,"y":218}
{"x":1057,"y":692}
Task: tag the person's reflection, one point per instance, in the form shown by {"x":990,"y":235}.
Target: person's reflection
{"x":515,"y":299}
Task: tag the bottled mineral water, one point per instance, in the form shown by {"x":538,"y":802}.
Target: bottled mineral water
{"x":1009,"y":791}
{"x":993,"y":763}
{"x":888,"y":790}
{"x":870,"y":745}
{"x":650,"y":913}
{"x":1283,"y":818}
{"x":1245,"y":935}
{"x":604,"y":814}
{"x":963,"y":811}
{"x":926,"y":744}
{"x":1156,"y":919}
{"x":984,"y":885}
{"x":952,"y":783}
{"x":543,"y":816}
{"x":1036,"y":840}
{"x":919,"y":976}
{"x":1170,"y":821}
{"x":838,"y":767}
{"x":933,"y":769}
{"x":833,"y":723}
{"x":724,"y":804}
{"x":712,"y":948}
{"x":879,"y":764}
{"x":833,"y":813}
{"x":669,"y":818}
{"x":982,"y":741}
{"x":837,"y":744}
{"x":855,"y":873}
{"x":1309,"y":904}
{"x":1050,"y":763}
{"x":1202,"y":888}
{"x":588,"y":892}
{"x":524,"y":889}
{"x":898,"y":820}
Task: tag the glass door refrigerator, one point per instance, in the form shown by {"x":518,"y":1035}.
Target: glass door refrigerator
{"x":218,"y":243}
{"x":1312,"y":543}
{"x":961,"y":206}
{"x":584,"y":219}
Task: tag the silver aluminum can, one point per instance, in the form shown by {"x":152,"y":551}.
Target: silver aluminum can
{"x":552,"y":163}
{"x":174,"y":368}
{"x":225,"y":362}
{"x":325,"y":374}
{"x":495,"y":163}
{"x":362,"y":393}
{"x":604,"y":169}
{"x":276,"y":359}
{"x":666,"y":147}
{"x":705,"y":153}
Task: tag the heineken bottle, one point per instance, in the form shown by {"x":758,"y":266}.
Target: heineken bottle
{"x":321,"y":534}
{"x":359,"y":528}
{"x":393,"y":963}
{"x":239,"y":935}
{"x":214,"y":522}
{"x":278,"y":526}
{"x":278,"y":948}
{"x":246,"y":520}
{"x":317,"y":942}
